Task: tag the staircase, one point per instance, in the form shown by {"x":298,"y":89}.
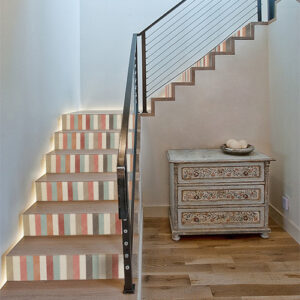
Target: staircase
{"x":73,"y":230}
{"x":80,"y":227}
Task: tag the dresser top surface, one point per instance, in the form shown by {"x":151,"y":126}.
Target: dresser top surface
{"x":212,"y":155}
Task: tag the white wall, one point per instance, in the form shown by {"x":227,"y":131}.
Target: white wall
{"x":106,"y":32}
{"x":229,"y":102}
{"x":284,"y":70}
{"x":39,"y":77}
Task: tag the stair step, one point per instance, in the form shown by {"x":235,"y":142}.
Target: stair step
{"x":94,"y":120}
{"x":73,"y":218}
{"x":77,"y":140}
{"x":66,"y":258}
{"x":108,"y":289}
{"x":83,"y":161}
{"x":78,"y":186}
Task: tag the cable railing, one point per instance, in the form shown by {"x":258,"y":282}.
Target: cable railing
{"x":169,"y":46}
{"x":186,"y":34}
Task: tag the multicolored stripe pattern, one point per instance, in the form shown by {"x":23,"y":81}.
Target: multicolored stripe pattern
{"x":79,"y":190}
{"x":84,"y":163}
{"x":69,"y":191}
{"x":243,"y":32}
{"x":65,"y":267}
{"x":89,"y":140}
{"x":71,"y":224}
{"x":94,"y":121}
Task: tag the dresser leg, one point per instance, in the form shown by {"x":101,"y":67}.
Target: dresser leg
{"x":264,"y":235}
{"x":175,"y":237}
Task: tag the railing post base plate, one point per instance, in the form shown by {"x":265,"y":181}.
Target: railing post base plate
{"x":130,"y":290}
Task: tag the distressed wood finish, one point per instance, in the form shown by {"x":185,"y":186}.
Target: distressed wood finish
{"x":216,"y":193}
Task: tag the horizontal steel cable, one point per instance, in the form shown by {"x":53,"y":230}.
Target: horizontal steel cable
{"x":170,"y":19}
{"x":181,"y":32}
{"x":184,"y":42}
{"x":173,"y":24}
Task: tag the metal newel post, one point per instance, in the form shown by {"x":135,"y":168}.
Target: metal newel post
{"x":259,"y":11}
{"x":144,"y":75}
{"x":271,"y":10}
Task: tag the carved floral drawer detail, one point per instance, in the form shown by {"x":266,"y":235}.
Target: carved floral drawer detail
{"x":220,"y":217}
{"x":221,"y":195}
{"x":190,"y":173}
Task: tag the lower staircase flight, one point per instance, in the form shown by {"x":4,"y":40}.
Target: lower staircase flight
{"x":72,"y":231}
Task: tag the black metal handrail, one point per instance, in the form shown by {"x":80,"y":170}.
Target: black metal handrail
{"x":126,"y":199}
{"x":243,"y":13}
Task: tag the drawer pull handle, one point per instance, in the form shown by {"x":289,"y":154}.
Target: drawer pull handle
{"x":196,"y":197}
{"x":196,"y":173}
{"x":246,"y":173}
{"x":245,"y":196}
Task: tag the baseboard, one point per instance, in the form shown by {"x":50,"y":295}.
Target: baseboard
{"x":161,"y":211}
{"x":288,"y":225}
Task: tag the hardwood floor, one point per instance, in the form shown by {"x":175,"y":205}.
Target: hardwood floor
{"x":238,"y":267}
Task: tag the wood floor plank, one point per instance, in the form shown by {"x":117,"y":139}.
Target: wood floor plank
{"x":165,"y":280}
{"x":254,"y":290}
{"x":284,"y":266}
{"x":271,"y":298}
{"x":231,"y":267}
{"x":227,"y":278}
{"x":242,"y":267}
{"x":175,"y":292}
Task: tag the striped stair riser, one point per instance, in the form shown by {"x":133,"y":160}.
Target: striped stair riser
{"x":85,"y":163}
{"x":90,"y":141}
{"x":186,"y":75}
{"x":244,"y":32}
{"x":88,"y":190}
{"x":71,"y":224}
{"x":226,"y":46}
{"x":65,"y":267}
{"x":94,"y":122}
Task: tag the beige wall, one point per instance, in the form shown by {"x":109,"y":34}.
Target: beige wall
{"x":284,"y":69}
{"x":231,"y":101}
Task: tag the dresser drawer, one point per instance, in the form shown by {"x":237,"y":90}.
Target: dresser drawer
{"x":226,"y":172}
{"x":203,"y":218}
{"x":220,"y":195}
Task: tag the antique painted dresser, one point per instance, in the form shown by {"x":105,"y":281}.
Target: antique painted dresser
{"x":216,"y":193}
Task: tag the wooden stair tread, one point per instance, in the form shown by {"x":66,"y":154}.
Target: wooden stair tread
{"x":101,"y":112}
{"x":109,"y":289}
{"x":69,"y":245}
{"x":75,"y":207}
{"x":78,"y":177}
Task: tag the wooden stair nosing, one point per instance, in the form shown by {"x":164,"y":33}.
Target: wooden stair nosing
{"x":96,"y":112}
{"x":75,"y":207}
{"x":69,"y":245}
